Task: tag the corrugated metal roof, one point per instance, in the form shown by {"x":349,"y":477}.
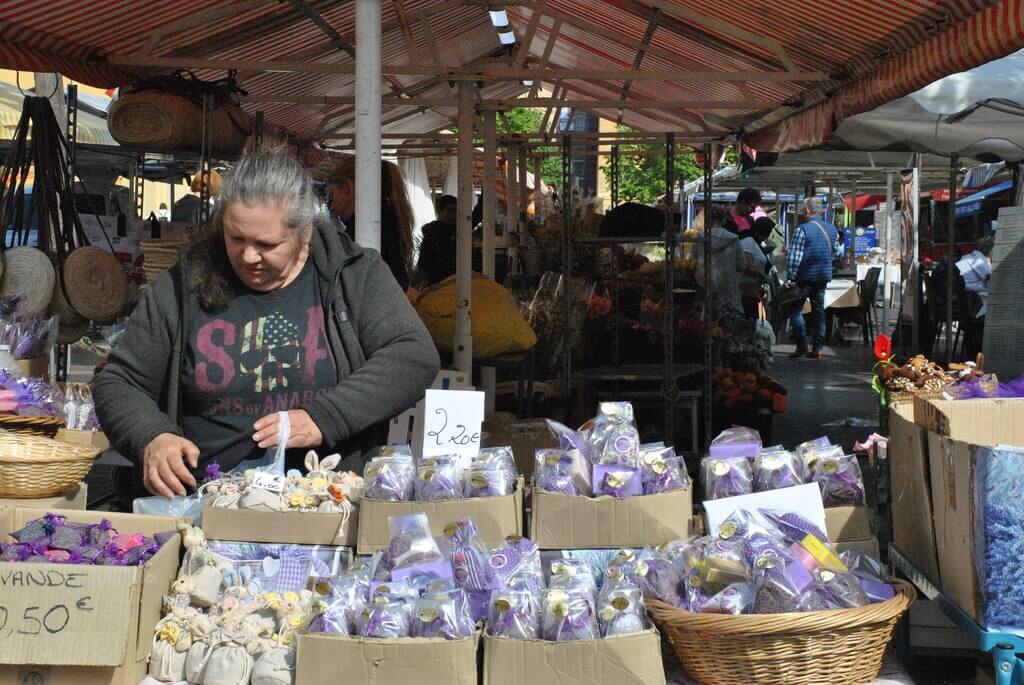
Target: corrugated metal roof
{"x":869,"y":50}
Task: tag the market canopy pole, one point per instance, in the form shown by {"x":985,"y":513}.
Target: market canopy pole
{"x":490,"y":191}
{"x":368,"y":112}
{"x":954,"y":164}
{"x":463,"y":342}
{"x":886,"y":294}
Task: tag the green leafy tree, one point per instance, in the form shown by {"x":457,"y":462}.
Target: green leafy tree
{"x":528,"y":120}
{"x":642,"y":177}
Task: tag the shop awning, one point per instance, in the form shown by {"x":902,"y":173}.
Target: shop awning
{"x":780,"y":74}
{"x":972,"y":203}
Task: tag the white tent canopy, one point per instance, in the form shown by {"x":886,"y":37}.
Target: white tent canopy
{"x":977,"y":113}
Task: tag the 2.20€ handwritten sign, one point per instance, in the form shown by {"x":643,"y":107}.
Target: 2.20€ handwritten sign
{"x":452,"y":422}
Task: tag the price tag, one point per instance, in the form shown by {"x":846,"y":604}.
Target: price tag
{"x":264,"y":480}
{"x":452,"y":422}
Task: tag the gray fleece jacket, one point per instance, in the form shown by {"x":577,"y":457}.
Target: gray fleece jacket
{"x":384,"y":355}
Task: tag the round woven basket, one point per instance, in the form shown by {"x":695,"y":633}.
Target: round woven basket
{"x":28,"y":273}
{"x":160,"y":255}
{"x":838,"y":647}
{"x":71,"y":325}
{"x":168,"y":122}
{"x":39,"y":426}
{"x":32,"y":467}
{"x":96,"y":285}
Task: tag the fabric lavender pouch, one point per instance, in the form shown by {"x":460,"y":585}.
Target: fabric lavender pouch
{"x":568,"y":574}
{"x":617,"y":481}
{"x":839,"y":590}
{"x":621,"y":612}
{"x":390,"y":479}
{"x":562,"y":472}
{"x":726,"y":477}
{"x":663,"y":472}
{"x":652,"y":573}
{"x":776,"y":470}
{"x":517,"y":564}
{"x":779,"y":588}
{"x":489,"y":482}
{"x":514,"y":614}
{"x":570,"y":440}
{"x":470,"y":558}
{"x":441,"y":618}
{"x":840,"y":481}
{"x":383,"y":620}
{"x":413,"y":554}
{"x":569,"y":616}
{"x":437,"y":480}
{"x":613,"y":436}
{"x":793,"y":526}
{"x":870,"y":574}
{"x":735,"y":599}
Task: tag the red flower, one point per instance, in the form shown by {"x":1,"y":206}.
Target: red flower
{"x":883,"y":347}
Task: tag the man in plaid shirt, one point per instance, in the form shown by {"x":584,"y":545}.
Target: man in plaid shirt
{"x":812,"y":250}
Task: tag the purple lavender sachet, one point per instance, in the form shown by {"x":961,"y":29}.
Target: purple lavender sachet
{"x":569,"y":616}
{"x":514,"y":614}
{"x":793,"y":526}
{"x":390,"y":479}
{"x":776,"y":470}
{"x":617,"y":481}
{"x":840,"y":481}
{"x":469,"y":558}
{"x":726,"y":477}
{"x":52,"y":539}
{"x":438,"y":481}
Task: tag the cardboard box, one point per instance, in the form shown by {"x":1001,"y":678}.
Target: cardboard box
{"x":524,"y":437}
{"x":623,"y":660}
{"x":847,"y":523}
{"x":73,"y":499}
{"x":288,"y":527}
{"x":96,"y":439}
{"x":496,"y":518}
{"x":84,"y":624}
{"x":37,"y":367}
{"x":396,"y":661}
{"x":566,"y":522}
{"x":867,"y":546}
{"x":912,"y":521}
{"x":979,"y":422}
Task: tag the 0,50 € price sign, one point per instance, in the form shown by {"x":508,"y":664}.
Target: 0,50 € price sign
{"x":71,"y":615}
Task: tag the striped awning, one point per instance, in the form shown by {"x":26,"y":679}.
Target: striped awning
{"x":778,"y":73}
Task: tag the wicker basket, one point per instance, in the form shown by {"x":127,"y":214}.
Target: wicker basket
{"x":95,"y":284}
{"x":32,"y":467}
{"x":38,"y":426}
{"x":839,"y":647}
{"x":165,"y":121}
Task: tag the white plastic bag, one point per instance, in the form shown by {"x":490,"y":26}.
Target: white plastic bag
{"x":191,"y":506}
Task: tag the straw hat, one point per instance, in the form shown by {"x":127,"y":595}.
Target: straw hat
{"x":28,"y":273}
{"x":96,"y":285}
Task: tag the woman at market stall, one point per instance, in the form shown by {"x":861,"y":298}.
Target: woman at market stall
{"x":396,"y":219}
{"x":272,"y":310}
{"x":756,"y":266}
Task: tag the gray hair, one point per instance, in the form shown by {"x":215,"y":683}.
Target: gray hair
{"x":273,"y":178}
{"x":812,"y":205}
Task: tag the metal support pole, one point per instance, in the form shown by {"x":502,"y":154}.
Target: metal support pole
{"x":463,"y":342}
{"x":954,"y":165}
{"x":512,"y":206}
{"x":368,"y":113}
{"x":887,"y":246}
{"x":205,"y":165}
{"x":488,"y":374}
{"x":537,"y":184}
{"x":852,"y":223}
{"x":615,"y":175}
{"x":915,"y":271}
{"x":708,"y":361}
{"x":567,"y":294}
{"x":524,"y":197}
{"x":490,"y":191}
{"x":669,"y":388}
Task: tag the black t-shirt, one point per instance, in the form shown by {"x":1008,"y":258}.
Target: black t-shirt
{"x":267,"y":352}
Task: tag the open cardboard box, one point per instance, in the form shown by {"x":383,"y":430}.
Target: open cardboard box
{"x":394,"y":661}
{"x":496,"y":518}
{"x":568,"y":522}
{"x":847,"y":523}
{"x":284,"y":527}
{"x":75,"y":498}
{"x":95,"y":439}
{"x":79,"y":624}
{"x":980,"y":422}
{"x":622,"y":660}
{"x":912,"y":523}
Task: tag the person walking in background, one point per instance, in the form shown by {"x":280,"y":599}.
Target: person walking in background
{"x":437,"y":251}
{"x":756,"y":266}
{"x":812,"y":250}
{"x":741,"y":218}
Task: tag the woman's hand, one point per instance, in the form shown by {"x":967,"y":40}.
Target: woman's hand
{"x":304,"y":432}
{"x":163,"y":465}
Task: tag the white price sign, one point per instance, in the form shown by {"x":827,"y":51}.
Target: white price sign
{"x":264,"y":480}
{"x":452,"y":421}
